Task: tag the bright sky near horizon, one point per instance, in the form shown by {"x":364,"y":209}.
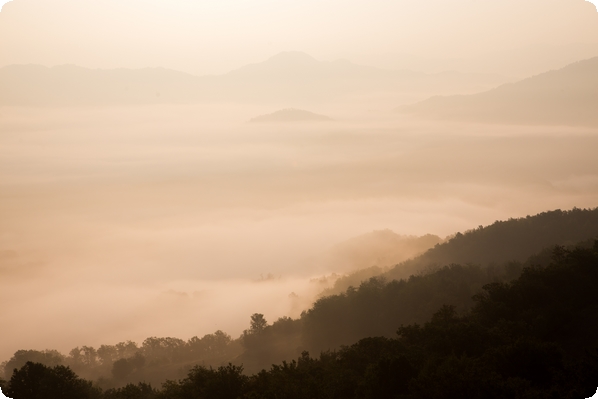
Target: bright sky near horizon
{"x":151,"y":220}
{"x":206,"y":37}
{"x":2,"y":2}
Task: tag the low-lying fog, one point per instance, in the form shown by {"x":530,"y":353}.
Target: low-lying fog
{"x":124,"y":223}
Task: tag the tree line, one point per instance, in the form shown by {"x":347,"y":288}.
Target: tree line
{"x":533,"y":337}
{"x":155,"y":360}
{"x":374,"y":308}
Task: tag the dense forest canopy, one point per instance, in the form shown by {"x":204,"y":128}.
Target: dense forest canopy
{"x":450,"y":274}
{"x":258,"y":199}
{"x":533,"y":337}
{"x":513,"y":240}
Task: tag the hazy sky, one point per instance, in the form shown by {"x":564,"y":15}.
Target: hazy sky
{"x":214,"y":37}
{"x":128,"y":222}
{"x":2,"y":2}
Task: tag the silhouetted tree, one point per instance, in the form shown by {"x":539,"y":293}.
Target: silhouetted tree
{"x":258,"y":323}
{"x":21,"y":357}
{"x":131,"y":391}
{"x":226,"y":382}
{"x":36,"y":381}
{"x":123,"y":367}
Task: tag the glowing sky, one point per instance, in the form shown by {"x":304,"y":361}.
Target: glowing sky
{"x":2,"y":2}
{"x":124,"y":216}
{"x":206,"y":37}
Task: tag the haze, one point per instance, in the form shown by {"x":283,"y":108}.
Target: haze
{"x":511,"y":36}
{"x":142,"y":202}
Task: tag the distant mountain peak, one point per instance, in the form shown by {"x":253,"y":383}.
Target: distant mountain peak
{"x":292,"y":57}
{"x":295,"y":61}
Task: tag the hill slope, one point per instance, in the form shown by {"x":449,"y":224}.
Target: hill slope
{"x":376,"y":308}
{"x":568,"y":96}
{"x":534,"y":337}
{"x":411,"y":291}
{"x":513,"y":240}
{"x":506,"y":241}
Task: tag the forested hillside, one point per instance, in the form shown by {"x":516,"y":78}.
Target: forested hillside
{"x":451,"y":274}
{"x":503,"y":241}
{"x":534,"y":337}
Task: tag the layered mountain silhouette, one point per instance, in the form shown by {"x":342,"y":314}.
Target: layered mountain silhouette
{"x":513,"y":240}
{"x":73,"y":85}
{"x":568,"y":96}
{"x":508,"y":240}
{"x":290,"y":115}
{"x":285,"y":77}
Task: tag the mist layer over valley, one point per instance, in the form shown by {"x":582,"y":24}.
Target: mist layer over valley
{"x":195,"y":183}
{"x":123,"y":223}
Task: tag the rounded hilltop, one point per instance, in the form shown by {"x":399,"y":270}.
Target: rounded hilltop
{"x":290,"y":115}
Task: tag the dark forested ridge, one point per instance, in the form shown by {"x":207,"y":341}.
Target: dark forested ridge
{"x":155,"y":360}
{"x":513,"y":240}
{"x":505,"y":241}
{"x":446,"y":277}
{"x":533,"y":337}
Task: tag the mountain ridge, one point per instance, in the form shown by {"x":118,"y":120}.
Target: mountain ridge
{"x":376,"y":308}
{"x":289,"y":76}
{"x":567,"y":96}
